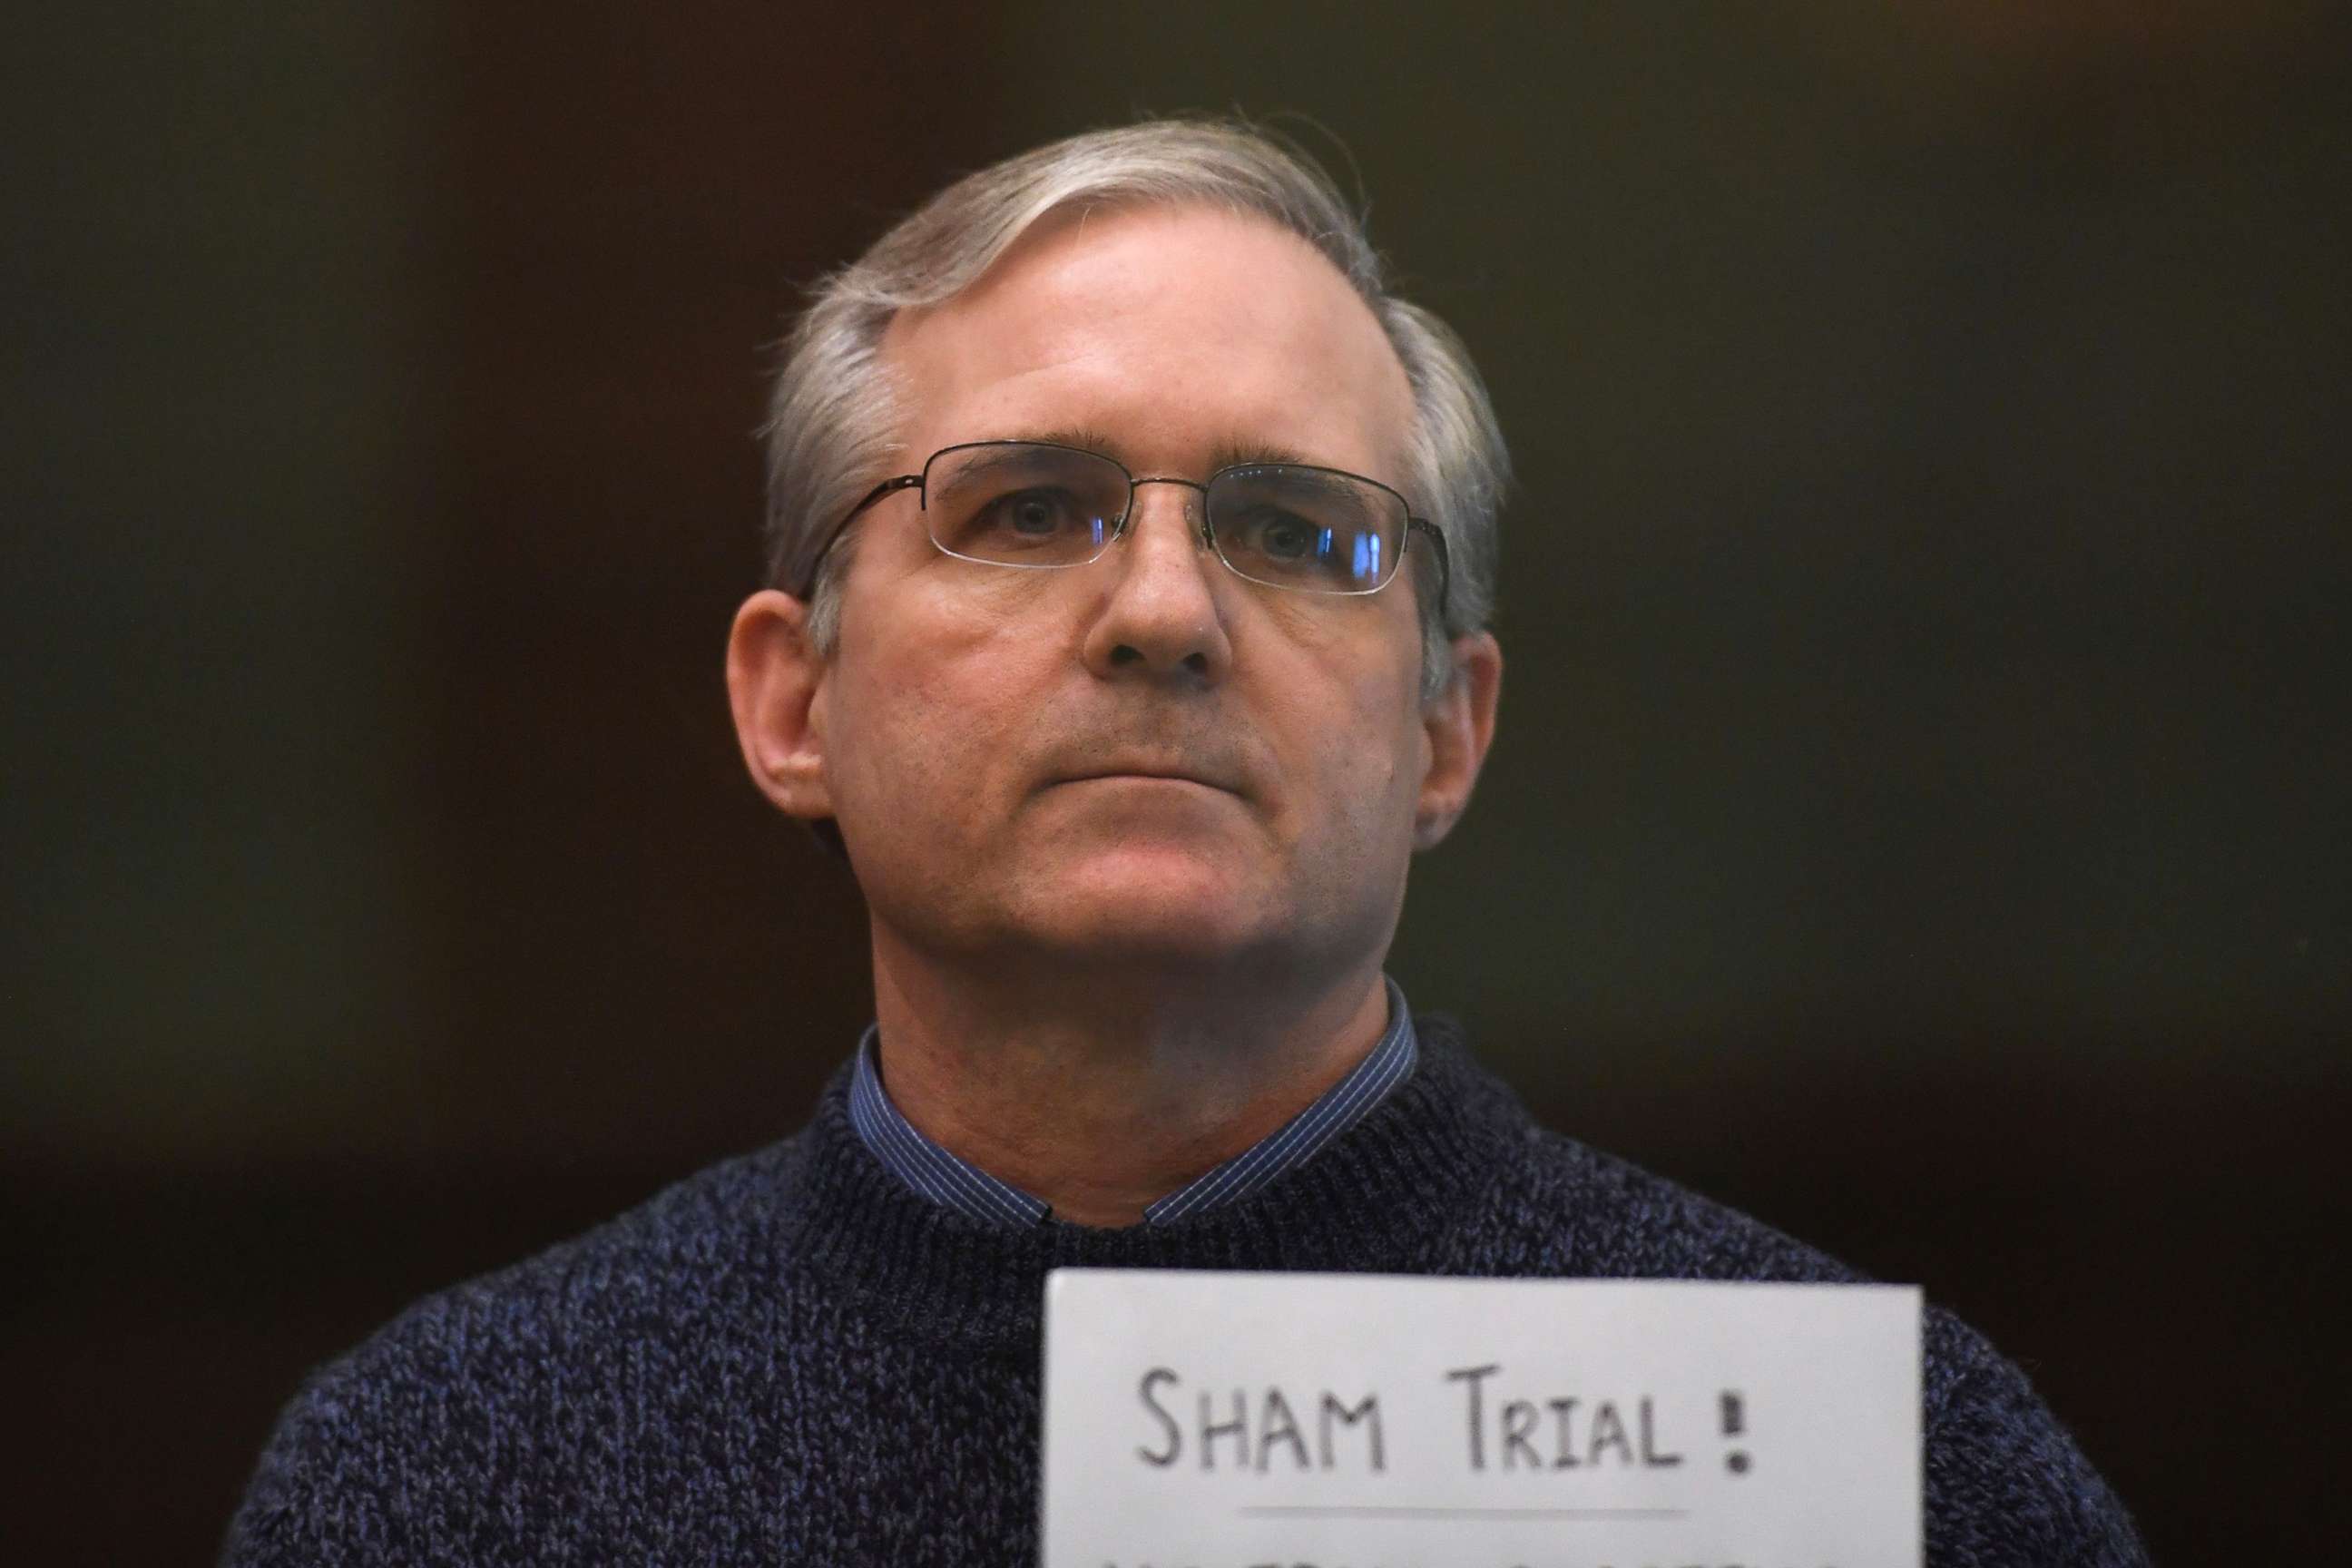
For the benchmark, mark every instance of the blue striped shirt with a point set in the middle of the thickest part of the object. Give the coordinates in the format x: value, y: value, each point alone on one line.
x: 957, y: 1183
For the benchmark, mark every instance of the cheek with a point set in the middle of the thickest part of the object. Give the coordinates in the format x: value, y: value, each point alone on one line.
x: 1365, y: 711
x: 1361, y: 767
x: 927, y: 711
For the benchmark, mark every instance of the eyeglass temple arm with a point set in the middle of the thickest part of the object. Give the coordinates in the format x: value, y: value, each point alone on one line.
x: 888, y: 486
x: 1445, y: 559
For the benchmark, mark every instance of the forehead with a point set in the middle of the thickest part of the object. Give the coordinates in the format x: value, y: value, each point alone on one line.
x: 1177, y: 332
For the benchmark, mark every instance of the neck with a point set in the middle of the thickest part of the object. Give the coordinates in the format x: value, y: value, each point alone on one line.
x: 1100, y: 1090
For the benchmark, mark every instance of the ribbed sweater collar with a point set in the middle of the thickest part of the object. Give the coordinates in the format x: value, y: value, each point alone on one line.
x: 1383, y: 1197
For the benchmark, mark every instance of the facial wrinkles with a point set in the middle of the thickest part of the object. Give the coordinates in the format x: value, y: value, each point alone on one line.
x: 1026, y: 627
x: 1242, y: 724
x: 982, y: 694
x: 1144, y: 721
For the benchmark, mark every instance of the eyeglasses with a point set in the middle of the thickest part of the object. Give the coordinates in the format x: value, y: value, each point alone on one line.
x: 1039, y: 505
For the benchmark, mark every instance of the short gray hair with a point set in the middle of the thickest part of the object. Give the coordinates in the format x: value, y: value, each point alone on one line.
x: 829, y: 433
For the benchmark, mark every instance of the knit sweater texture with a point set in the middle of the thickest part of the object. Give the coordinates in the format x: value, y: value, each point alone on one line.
x: 793, y: 1358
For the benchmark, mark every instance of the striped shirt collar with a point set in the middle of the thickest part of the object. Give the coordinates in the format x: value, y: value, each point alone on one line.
x: 956, y: 1184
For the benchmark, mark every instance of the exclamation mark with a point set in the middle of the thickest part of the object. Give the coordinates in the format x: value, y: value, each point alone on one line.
x: 1735, y: 1422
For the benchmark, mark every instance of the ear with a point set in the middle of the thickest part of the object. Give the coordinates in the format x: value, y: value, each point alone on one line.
x: 775, y: 683
x: 1458, y: 727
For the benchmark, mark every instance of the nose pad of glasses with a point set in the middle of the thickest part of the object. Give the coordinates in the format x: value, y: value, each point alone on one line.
x: 1192, y: 505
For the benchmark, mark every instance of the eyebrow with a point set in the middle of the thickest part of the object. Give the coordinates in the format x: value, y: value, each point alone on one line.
x: 1084, y: 437
x: 1233, y: 452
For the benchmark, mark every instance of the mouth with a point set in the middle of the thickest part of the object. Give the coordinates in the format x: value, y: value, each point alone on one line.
x: 1146, y: 772
x: 1142, y: 775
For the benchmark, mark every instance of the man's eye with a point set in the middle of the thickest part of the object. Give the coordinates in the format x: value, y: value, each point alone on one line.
x: 1027, y: 514
x: 1284, y: 539
x: 1288, y: 537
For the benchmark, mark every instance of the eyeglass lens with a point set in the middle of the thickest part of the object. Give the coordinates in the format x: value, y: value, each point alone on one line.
x: 1015, y: 503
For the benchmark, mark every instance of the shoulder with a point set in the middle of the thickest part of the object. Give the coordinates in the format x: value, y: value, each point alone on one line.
x: 2004, y: 1481
x: 1552, y: 1206
x: 1563, y: 1207
x: 472, y: 1391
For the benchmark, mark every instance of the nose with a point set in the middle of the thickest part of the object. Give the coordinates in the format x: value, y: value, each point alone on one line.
x: 1162, y: 611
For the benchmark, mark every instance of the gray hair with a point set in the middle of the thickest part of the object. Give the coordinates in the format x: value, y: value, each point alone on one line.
x: 831, y: 418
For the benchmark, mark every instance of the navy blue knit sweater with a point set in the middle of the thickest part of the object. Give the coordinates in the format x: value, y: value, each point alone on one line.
x: 791, y: 1358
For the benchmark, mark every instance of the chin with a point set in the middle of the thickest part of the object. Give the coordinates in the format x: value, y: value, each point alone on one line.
x: 1142, y: 901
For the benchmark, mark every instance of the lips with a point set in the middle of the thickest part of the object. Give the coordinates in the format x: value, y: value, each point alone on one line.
x: 1172, y: 775
x: 1209, y: 774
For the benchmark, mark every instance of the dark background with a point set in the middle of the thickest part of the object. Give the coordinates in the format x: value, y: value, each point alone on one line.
x: 1918, y: 816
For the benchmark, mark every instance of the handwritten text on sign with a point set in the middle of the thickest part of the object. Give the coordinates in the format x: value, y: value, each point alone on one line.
x: 1205, y: 1420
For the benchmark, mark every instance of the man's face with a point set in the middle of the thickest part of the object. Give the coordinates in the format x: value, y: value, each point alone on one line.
x: 1146, y: 757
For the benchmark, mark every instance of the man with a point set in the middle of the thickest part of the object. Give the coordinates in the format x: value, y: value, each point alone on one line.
x: 1132, y: 550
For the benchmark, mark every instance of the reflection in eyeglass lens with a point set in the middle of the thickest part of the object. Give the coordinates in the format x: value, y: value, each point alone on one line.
x: 1024, y: 506
x: 1021, y: 504
x: 1306, y: 528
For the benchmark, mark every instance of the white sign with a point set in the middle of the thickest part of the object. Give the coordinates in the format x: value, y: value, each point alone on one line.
x: 1210, y: 1420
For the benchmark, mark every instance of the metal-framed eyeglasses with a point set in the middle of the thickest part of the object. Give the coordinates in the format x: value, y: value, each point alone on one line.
x: 1040, y: 505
